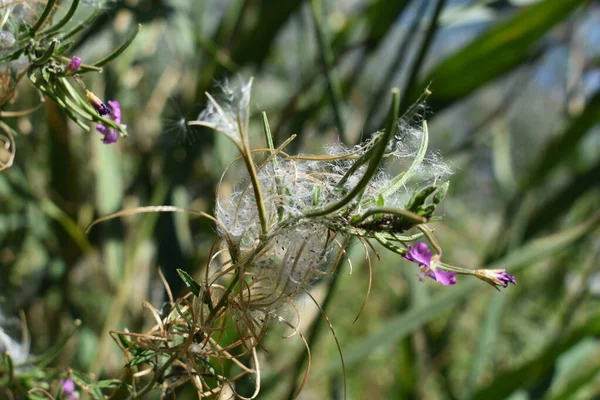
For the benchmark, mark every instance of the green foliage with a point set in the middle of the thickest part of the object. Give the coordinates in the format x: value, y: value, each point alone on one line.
x: 524, y: 200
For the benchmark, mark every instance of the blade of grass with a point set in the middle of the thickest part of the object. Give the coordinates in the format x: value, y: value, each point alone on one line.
x: 517, y: 378
x: 564, y: 144
x: 396, y: 65
x: 415, y: 68
x: 120, y: 49
x: 144, y: 231
x: 555, y: 154
x: 485, y: 344
x: 326, y: 56
x: 492, y: 54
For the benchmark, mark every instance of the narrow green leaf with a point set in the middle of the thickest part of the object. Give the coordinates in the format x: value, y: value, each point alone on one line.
x: 13, y: 56
x: 267, y: 129
x: 564, y: 144
x: 529, y: 372
x: 497, y: 51
x: 121, y: 48
x: 56, y: 27
x: 257, y: 40
x: 440, y: 193
x: 326, y: 55
x: 63, y: 47
x: 189, y: 282
x: 44, y: 58
x: 142, y: 357
x: 8, y: 370
x: 82, y: 25
x: 109, y: 383
x: 46, y: 358
x: 85, y: 382
x: 485, y: 344
x: 43, y: 16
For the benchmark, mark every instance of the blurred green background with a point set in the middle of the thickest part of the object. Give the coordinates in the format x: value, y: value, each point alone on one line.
x: 514, y: 110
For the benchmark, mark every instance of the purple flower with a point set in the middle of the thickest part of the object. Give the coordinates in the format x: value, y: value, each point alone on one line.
x: 110, y: 134
x: 98, y: 105
x: 73, y: 65
x: 496, y: 277
x: 68, y: 388
x: 116, y: 111
x: 421, y: 255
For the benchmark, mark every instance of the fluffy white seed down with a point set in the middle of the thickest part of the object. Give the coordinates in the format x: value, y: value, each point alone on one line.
x: 299, y: 247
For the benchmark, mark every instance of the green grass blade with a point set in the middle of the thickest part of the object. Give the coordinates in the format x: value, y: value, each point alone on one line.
x: 564, y: 144
x: 507, y: 383
x: 485, y: 346
x: 326, y: 55
x: 121, y: 48
x: 494, y: 53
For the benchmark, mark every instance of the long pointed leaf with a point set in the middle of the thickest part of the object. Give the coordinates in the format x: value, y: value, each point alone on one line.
x: 496, y: 52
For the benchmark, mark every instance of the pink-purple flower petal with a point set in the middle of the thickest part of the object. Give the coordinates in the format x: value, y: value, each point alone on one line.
x: 496, y: 277
x: 421, y: 255
x: 446, y: 278
x: 111, y: 135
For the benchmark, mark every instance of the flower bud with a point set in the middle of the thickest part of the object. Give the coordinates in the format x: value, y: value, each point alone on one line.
x: 98, y: 105
x: 495, y: 277
x: 73, y: 65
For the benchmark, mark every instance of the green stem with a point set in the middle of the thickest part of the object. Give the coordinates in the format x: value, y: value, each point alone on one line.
x: 458, y: 270
x: 429, y: 235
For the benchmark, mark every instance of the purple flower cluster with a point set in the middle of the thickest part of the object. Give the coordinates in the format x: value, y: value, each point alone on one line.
x: 430, y: 267
x: 110, y: 134
x: 421, y: 255
x: 68, y: 389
